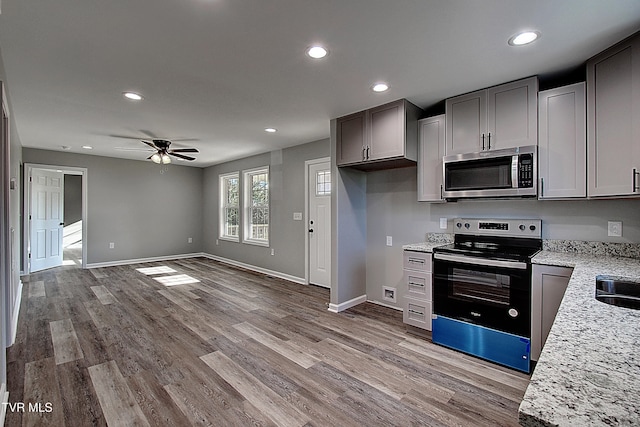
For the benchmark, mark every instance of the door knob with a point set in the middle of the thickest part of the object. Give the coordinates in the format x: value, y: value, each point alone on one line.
x: 311, y: 230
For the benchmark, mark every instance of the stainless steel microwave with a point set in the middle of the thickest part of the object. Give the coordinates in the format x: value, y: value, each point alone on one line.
x: 511, y: 172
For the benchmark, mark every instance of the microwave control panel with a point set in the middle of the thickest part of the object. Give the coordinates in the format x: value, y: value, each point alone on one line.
x: 525, y: 170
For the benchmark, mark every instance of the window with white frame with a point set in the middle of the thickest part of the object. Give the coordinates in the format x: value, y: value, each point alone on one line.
x: 230, y: 206
x: 256, y: 206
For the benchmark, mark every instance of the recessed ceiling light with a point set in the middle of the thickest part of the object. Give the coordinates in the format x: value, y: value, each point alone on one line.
x: 270, y: 130
x: 317, y: 52
x: 523, y: 38
x: 87, y: 147
x: 380, y: 87
x: 132, y: 96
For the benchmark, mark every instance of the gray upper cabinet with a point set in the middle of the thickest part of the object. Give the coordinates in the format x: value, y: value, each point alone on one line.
x: 381, y: 137
x: 562, y: 143
x: 499, y: 117
x: 430, y: 152
x: 613, y: 120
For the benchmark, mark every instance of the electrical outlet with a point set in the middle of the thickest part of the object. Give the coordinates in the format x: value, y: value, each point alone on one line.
x: 190, y: 240
x: 443, y: 223
x: 217, y: 242
x: 389, y: 241
x: 273, y: 251
x: 297, y: 216
x: 614, y: 228
x: 112, y: 245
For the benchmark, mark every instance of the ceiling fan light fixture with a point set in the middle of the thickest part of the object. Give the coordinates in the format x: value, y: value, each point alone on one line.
x: 165, y: 159
x: 156, y: 158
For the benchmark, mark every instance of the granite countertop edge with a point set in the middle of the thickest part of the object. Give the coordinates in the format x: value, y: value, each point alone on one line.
x: 589, y: 369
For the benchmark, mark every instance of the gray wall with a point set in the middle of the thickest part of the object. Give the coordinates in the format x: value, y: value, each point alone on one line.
x: 72, y: 199
x: 287, y: 237
x: 130, y: 203
x: 7, y: 312
x: 392, y: 210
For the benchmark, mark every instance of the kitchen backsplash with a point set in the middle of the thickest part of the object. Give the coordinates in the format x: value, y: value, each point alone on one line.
x: 627, y: 250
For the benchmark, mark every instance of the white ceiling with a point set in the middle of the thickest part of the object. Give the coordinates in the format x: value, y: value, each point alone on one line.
x: 217, y: 72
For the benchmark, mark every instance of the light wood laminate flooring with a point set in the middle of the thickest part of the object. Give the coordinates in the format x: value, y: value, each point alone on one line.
x: 213, y: 345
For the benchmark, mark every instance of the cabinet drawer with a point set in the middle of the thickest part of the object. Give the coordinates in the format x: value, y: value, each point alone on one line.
x: 417, y: 313
x: 420, y: 261
x: 418, y: 284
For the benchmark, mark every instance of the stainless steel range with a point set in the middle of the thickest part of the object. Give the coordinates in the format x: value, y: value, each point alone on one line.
x: 482, y: 289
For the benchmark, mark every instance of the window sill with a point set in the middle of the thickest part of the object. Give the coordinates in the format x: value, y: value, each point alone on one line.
x: 229, y: 239
x: 257, y: 242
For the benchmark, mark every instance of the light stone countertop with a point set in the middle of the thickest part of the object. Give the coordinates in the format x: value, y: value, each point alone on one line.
x: 421, y: 247
x: 589, y: 371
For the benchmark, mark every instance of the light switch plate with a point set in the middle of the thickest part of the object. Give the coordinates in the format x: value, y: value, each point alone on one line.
x: 443, y: 223
x: 389, y: 241
x: 297, y: 216
x: 614, y: 228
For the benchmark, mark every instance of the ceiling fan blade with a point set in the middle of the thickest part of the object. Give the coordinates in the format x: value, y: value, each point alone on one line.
x: 150, y: 144
x: 149, y: 133
x: 123, y: 136
x: 185, y: 150
x: 131, y: 149
x: 181, y: 156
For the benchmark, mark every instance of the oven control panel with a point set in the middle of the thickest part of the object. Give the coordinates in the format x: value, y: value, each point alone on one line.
x: 531, y: 228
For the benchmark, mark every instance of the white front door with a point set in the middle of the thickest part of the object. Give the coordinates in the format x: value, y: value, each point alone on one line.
x: 319, y: 223
x: 47, y: 219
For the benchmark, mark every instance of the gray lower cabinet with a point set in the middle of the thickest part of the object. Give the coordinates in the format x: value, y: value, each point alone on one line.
x: 417, y: 293
x: 613, y: 133
x: 548, y: 285
x: 562, y: 143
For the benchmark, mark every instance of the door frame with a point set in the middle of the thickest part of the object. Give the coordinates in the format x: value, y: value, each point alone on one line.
x: 308, y: 163
x: 67, y: 170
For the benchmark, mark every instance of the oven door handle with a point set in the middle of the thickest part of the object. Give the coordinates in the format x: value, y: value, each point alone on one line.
x: 481, y: 261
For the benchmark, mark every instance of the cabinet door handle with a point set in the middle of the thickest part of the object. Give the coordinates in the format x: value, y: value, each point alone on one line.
x: 364, y: 151
x: 416, y: 284
x: 635, y: 180
x: 419, y: 313
x: 416, y: 261
x: 489, y: 141
x: 541, y: 188
x: 483, y: 142
x: 367, y: 153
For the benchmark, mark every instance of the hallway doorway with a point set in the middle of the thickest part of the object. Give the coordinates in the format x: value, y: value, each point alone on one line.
x: 64, y: 241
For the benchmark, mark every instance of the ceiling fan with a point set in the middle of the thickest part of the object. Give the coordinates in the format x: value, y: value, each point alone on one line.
x: 162, y: 151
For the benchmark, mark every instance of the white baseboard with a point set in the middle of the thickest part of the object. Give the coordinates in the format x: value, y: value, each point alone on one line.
x: 143, y: 260
x: 385, y: 305
x: 14, y: 321
x: 300, y: 280
x: 337, y: 308
x: 290, y: 278
x: 4, y: 399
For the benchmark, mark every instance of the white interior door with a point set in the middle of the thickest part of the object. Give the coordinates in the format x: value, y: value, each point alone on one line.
x: 319, y: 223
x: 47, y: 219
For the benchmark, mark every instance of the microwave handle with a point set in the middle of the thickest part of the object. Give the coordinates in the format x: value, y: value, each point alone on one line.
x: 514, y: 171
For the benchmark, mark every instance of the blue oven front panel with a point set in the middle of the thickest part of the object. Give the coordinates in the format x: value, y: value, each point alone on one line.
x: 500, y: 347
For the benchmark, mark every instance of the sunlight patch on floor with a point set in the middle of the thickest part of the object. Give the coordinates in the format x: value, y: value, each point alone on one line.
x: 179, y: 279
x: 156, y: 270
